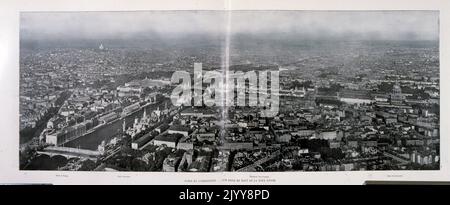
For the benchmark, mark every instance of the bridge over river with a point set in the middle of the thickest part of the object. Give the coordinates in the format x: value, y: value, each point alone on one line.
x: 70, y: 152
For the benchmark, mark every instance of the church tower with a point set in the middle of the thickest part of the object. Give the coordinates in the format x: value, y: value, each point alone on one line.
x: 396, y: 95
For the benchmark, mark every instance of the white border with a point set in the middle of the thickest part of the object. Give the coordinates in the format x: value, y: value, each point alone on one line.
x: 9, y: 92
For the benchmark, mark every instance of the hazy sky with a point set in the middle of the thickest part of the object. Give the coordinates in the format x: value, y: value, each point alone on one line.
x: 389, y: 25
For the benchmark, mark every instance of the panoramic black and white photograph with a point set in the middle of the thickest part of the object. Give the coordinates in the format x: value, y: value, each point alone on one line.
x: 229, y: 90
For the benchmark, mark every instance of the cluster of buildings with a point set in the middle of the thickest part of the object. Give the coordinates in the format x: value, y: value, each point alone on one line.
x: 333, y: 116
x: 350, y: 130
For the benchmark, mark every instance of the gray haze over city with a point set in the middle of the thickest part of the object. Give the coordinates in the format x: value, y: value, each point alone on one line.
x: 359, y: 25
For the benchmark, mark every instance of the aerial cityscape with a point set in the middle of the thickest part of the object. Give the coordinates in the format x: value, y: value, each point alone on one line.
x: 356, y: 91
